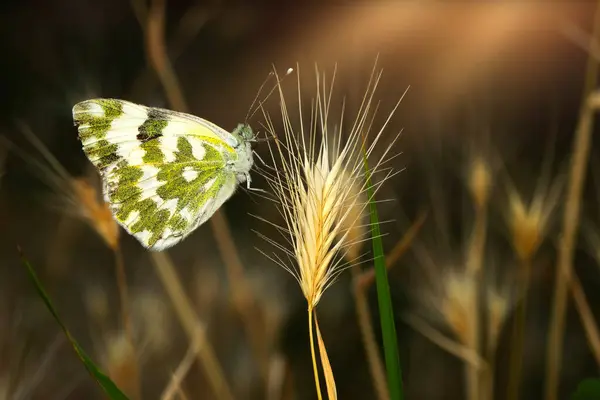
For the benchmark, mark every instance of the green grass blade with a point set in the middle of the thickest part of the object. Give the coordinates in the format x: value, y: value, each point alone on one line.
x: 386, y: 313
x: 588, y: 389
x: 105, y: 383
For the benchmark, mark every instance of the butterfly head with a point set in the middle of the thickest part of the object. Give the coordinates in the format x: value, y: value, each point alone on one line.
x: 244, y: 132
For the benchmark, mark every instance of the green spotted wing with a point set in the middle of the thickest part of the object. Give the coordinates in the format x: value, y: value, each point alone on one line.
x: 164, y: 172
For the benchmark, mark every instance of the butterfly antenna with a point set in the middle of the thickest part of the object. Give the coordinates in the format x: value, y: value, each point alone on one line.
x: 258, y: 94
x: 289, y: 71
x: 265, y: 139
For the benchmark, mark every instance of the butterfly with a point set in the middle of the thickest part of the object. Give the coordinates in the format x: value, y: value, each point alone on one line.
x: 164, y: 173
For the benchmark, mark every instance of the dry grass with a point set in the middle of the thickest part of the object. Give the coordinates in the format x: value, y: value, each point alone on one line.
x: 317, y: 177
x: 479, y: 182
x: 564, y: 270
x: 498, y: 306
x: 528, y: 225
x: 174, y: 386
x: 84, y: 202
x: 120, y: 361
x: 25, y: 374
x: 194, y: 328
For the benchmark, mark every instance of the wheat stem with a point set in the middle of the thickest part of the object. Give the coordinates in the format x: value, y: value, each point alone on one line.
x: 363, y: 316
x: 587, y: 317
x: 564, y: 268
x: 487, y: 381
x: 474, y: 270
x: 312, y: 353
x: 518, y: 334
x: 180, y: 373
x: 457, y: 349
x: 121, y: 278
x: 192, y: 326
x: 243, y: 300
x: 480, y: 181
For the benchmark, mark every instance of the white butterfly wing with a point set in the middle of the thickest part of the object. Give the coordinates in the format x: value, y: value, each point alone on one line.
x: 164, y: 172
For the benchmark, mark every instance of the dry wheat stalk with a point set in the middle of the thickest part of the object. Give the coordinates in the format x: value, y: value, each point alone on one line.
x: 314, y: 175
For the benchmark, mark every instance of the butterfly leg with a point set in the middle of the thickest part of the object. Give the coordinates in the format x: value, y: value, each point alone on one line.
x: 259, y: 158
x: 249, y: 186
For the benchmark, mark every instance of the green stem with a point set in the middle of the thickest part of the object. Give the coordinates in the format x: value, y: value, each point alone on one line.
x: 386, y: 313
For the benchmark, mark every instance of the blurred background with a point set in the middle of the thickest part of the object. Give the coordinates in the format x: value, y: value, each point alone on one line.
x: 488, y: 125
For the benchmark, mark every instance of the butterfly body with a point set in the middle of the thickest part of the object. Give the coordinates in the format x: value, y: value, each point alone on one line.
x: 164, y: 173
